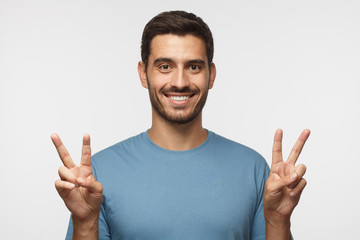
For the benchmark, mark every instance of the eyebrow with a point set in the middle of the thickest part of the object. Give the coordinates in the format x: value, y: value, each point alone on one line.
x: 159, y: 60
x: 194, y: 61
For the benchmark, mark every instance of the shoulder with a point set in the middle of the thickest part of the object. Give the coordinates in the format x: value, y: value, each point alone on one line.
x: 244, y: 158
x: 242, y: 161
x: 234, y: 147
x: 119, y: 149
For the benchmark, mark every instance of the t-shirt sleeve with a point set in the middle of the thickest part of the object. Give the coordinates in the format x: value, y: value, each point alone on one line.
x: 69, y: 231
x: 258, y: 228
x: 104, y: 231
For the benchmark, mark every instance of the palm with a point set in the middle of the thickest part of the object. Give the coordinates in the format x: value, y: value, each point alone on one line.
x: 285, y: 183
x: 81, y: 193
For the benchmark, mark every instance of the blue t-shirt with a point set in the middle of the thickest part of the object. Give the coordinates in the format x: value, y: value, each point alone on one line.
x: 211, y: 192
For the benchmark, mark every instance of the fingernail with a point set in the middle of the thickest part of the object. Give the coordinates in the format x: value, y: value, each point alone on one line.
x: 292, y: 194
x: 293, y: 176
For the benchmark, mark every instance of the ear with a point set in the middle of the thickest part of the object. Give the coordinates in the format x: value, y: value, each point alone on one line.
x: 142, y: 74
x: 212, y: 75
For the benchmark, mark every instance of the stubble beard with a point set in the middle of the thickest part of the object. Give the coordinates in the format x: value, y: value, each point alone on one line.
x: 176, y: 118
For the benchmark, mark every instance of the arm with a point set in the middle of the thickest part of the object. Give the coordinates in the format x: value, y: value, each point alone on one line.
x: 81, y: 193
x: 283, y: 188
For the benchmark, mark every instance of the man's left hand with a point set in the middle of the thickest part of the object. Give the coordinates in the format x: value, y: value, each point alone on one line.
x: 285, y: 183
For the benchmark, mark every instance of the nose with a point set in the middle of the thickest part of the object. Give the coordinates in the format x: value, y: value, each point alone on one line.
x: 180, y: 79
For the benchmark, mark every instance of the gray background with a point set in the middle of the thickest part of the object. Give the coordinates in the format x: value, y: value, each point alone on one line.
x: 70, y: 67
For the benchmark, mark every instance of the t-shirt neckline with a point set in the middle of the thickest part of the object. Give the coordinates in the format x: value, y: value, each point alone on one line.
x: 190, y: 151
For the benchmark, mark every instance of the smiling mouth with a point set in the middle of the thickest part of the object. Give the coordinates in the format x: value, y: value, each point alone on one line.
x: 179, y: 98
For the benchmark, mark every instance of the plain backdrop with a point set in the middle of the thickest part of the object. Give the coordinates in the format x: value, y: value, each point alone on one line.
x: 71, y: 67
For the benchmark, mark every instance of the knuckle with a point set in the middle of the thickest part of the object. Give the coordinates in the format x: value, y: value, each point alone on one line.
x: 304, y: 169
x: 58, y: 184
x: 269, y: 187
x: 296, y: 151
x: 302, y: 166
x: 66, y: 155
x: 304, y: 181
x: 278, y: 150
x: 61, y: 170
x: 86, y: 153
x: 301, y: 169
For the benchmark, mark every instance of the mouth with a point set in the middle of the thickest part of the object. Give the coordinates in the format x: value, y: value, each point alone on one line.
x: 179, y: 98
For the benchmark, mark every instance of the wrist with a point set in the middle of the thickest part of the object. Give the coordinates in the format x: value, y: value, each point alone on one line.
x: 86, y: 228
x: 278, y: 223
x: 275, y: 217
x: 277, y: 227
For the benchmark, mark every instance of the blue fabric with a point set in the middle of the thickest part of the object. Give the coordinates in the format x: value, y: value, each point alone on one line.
x: 210, y: 192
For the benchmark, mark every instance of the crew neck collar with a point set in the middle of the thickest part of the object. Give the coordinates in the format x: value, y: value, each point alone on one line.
x: 164, y: 150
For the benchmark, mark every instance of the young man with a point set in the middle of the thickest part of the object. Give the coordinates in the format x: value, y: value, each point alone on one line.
x: 179, y: 180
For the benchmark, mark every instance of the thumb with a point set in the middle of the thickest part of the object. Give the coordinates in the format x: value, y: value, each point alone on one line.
x: 91, y: 184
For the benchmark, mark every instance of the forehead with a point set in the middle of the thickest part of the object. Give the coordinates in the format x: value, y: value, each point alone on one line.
x: 177, y: 47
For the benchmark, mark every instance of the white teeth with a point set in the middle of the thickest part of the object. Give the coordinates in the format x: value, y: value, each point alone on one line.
x: 179, y: 98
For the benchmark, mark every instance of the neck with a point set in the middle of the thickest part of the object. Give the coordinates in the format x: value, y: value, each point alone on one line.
x: 177, y: 137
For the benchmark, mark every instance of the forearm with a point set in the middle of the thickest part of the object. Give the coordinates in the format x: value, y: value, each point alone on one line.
x: 86, y: 229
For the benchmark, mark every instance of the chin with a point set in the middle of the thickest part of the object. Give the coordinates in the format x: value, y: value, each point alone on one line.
x: 178, y: 118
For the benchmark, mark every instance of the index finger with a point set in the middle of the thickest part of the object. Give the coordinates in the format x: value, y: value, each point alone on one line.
x: 63, y: 153
x: 295, y: 152
x: 277, y: 147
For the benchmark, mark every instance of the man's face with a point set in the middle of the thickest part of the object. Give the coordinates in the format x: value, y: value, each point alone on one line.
x: 178, y: 77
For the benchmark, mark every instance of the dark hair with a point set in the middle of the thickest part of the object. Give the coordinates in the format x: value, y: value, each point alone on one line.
x: 179, y: 23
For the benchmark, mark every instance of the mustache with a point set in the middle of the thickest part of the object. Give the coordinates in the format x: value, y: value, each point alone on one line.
x: 180, y: 90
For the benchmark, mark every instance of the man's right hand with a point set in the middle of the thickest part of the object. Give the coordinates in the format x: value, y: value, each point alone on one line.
x: 77, y: 186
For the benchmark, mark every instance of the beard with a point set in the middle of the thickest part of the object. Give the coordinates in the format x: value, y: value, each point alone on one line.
x: 171, y: 115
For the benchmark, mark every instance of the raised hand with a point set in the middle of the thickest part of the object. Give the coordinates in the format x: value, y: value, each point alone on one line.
x: 77, y: 186
x: 285, y: 183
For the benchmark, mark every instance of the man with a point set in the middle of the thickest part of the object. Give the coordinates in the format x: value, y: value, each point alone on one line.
x: 179, y: 180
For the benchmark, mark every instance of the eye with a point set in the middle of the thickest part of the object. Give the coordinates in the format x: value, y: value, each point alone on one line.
x: 165, y: 67
x: 194, y: 67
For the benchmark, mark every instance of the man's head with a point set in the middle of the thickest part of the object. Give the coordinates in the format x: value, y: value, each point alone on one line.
x: 178, y: 23
x: 177, y: 68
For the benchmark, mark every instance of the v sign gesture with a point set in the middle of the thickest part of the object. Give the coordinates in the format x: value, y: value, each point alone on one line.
x: 77, y: 186
x: 283, y: 187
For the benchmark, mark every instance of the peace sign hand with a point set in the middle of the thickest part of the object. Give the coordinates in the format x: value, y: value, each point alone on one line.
x: 285, y: 183
x: 77, y: 186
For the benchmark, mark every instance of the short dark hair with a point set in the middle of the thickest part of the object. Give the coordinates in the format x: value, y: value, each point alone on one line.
x: 179, y: 23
